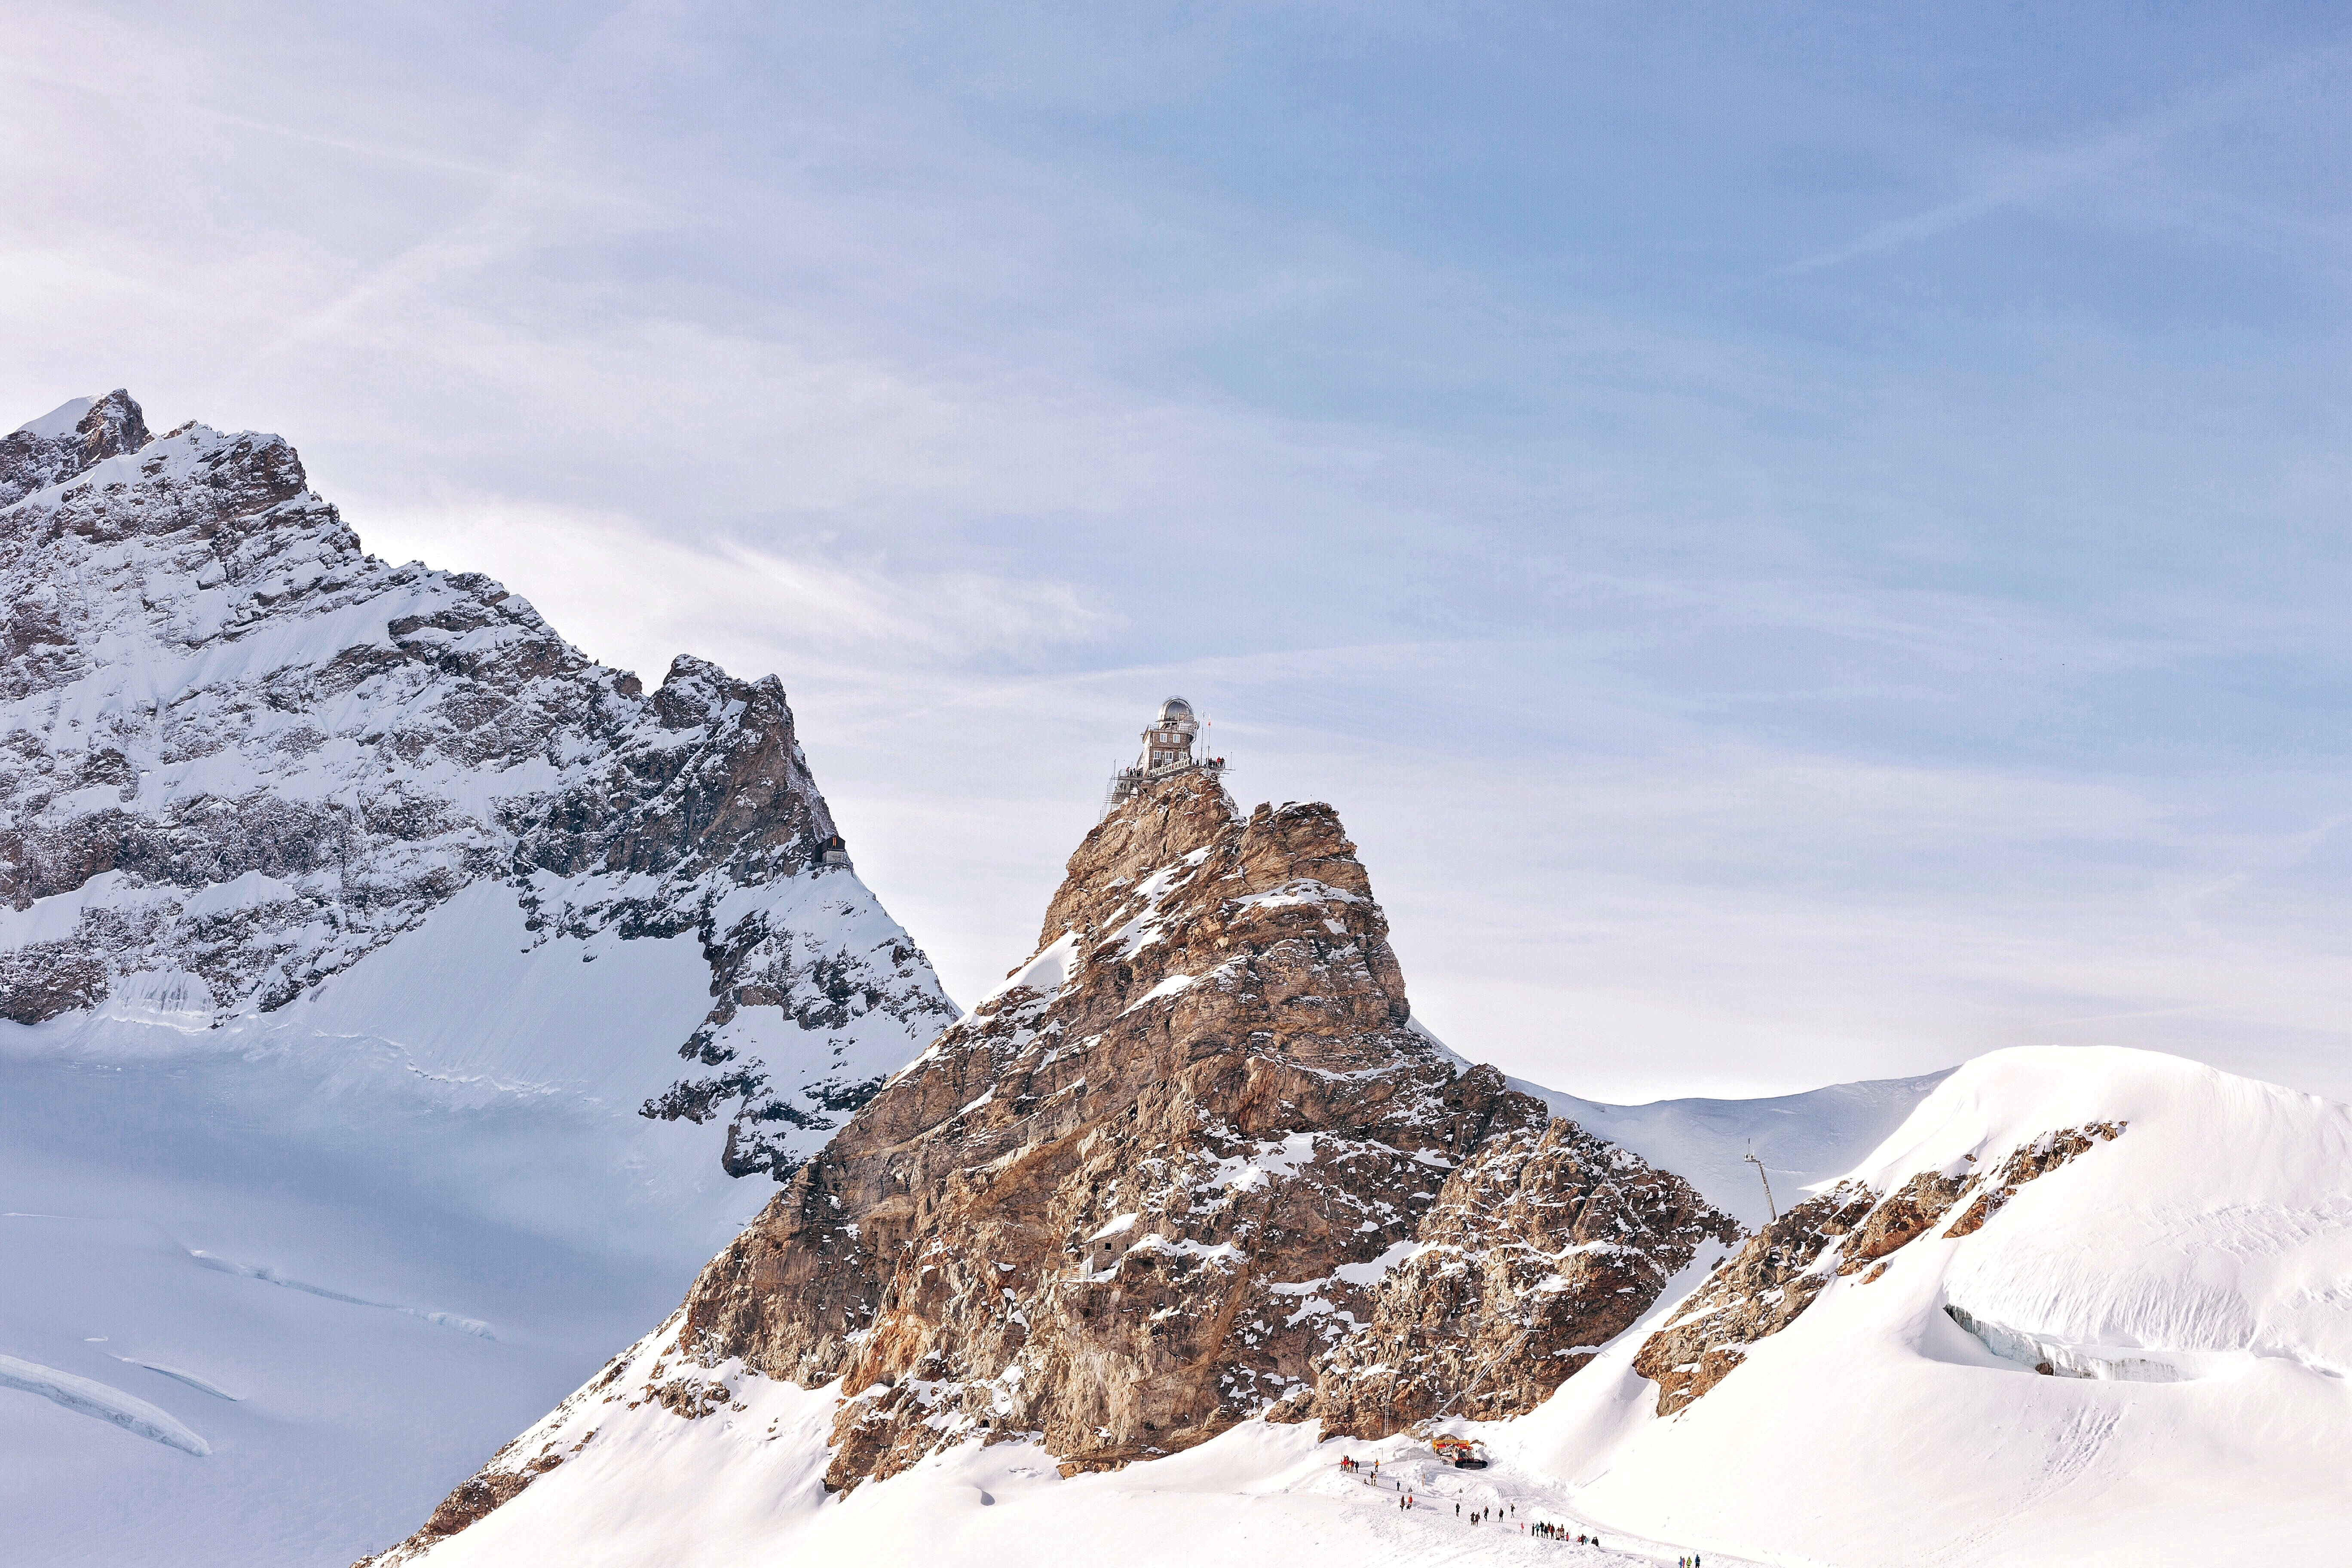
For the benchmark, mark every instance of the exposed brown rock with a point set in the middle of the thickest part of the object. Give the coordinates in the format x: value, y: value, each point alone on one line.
x: 1759, y: 1292
x: 1192, y: 1163
x: 1910, y: 1214
x: 1780, y: 1273
x: 1096, y: 1207
x: 1135, y: 1199
x: 472, y: 1501
x: 1547, y: 1244
x: 2038, y: 1157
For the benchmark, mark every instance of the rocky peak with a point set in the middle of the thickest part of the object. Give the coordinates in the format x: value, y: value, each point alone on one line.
x: 66, y: 440
x: 236, y: 749
x: 1192, y: 1162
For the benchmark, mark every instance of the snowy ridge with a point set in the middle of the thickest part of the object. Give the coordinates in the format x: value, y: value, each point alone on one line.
x: 1805, y: 1140
x: 2209, y: 1241
x: 238, y: 755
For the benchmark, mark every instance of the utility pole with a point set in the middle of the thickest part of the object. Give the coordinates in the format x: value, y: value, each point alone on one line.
x: 1765, y: 1179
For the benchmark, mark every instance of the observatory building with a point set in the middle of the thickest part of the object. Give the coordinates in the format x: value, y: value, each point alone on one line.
x: 1167, y: 749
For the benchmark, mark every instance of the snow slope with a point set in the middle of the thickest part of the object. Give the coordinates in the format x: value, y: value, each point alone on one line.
x: 350, y: 1245
x: 743, y: 1485
x: 2209, y: 1244
x: 349, y: 920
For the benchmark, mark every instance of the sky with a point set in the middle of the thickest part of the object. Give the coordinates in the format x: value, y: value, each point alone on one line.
x: 1805, y: 543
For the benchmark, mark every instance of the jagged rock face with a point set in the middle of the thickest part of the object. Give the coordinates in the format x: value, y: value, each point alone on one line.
x: 70, y: 438
x: 238, y: 750
x: 1192, y: 1162
x: 1547, y: 1244
x: 1847, y: 1230
x: 1139, y: 1194
x: 1104, y: 1205
x: 1909, y: 1215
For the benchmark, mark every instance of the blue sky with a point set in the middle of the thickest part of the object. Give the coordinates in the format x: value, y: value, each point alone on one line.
x: 1805, y: 543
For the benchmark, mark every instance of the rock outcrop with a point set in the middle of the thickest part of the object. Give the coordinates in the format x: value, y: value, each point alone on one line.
x: 1132, y: 1198
x: 1903, y: 1218
x: 1545, y: 1245
x: 1759, y: 1292
x: 1192, y: 1162
x: 2038, y: 1157
x: 69, y: 439
x: 1848, y: 1230
x: 238, y: 754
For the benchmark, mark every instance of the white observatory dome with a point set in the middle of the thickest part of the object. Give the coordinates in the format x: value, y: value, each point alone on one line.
x: 1175, y: 708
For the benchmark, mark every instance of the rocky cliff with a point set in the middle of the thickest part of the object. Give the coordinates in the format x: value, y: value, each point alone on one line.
x: 238, y: 754
x: 1191, y: 1163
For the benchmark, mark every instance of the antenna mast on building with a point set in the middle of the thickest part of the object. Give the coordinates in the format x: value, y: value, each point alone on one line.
x: 1765, y: 1179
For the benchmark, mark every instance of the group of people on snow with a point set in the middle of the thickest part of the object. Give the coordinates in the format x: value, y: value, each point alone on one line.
x: 1407, y: 1501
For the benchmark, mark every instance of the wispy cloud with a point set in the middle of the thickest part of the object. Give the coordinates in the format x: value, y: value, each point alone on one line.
x: 2028, y: 177
x: 1721, y: 699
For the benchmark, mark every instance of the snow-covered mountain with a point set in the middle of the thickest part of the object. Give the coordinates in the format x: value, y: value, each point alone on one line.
x: 352, y: 928
x: 2086, y: 1305
x: 355, y: 929
x: 241, y: 756
x: 2083, y: 1306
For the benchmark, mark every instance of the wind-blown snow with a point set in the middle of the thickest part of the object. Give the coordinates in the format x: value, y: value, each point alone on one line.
x: 1046, y: 973
x: 262, y: 1271
x: 177, y: 1375
x: 341, y: 1199
x: 87, y: 1396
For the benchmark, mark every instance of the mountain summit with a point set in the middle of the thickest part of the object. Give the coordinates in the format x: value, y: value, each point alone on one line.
x: 66, y: 440
x: 1192, y: 1162
x: 239, y: 756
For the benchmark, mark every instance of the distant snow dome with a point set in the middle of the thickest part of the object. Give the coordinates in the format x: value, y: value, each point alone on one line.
x: 1175, y: 708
